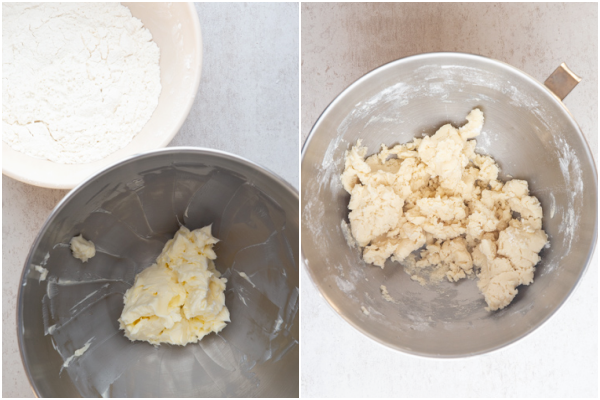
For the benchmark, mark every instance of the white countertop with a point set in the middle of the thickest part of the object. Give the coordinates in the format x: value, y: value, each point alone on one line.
x: 342, y: 42
x: 247, y: 104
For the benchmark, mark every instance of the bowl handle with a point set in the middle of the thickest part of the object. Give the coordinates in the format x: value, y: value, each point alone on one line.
x: 562, y: 81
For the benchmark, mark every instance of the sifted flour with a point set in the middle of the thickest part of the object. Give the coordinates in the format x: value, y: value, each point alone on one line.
x: 79, y: 81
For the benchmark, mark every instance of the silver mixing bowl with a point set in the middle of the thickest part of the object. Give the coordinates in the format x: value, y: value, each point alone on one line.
x: 129, y: 211
x: 532, y: 136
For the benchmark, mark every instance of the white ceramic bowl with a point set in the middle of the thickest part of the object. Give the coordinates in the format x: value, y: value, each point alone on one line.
x: 175, y: 29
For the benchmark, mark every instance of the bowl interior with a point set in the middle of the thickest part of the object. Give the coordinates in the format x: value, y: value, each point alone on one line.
x: 176, y: 31
x: 529, y: 133
x: 129, y: 211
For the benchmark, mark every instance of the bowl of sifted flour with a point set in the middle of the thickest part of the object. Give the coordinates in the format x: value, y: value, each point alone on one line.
x: 88, y: 84
x: 114, y: 300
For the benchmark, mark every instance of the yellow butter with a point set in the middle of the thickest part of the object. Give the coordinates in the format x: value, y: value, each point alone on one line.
x: 179, y: 299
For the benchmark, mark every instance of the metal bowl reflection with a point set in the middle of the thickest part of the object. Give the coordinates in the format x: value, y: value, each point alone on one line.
x: 129, y: 211
x: 527, y: 130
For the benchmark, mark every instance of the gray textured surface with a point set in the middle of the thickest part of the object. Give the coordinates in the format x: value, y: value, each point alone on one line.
x: 248, y: 99
x: 247, y: 104
x: 342, y: 42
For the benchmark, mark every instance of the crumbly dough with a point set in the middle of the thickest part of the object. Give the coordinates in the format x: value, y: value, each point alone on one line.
x: 437, y: 193
x: 181, y: 298
x: 82, y: 249
x: 386, y: 295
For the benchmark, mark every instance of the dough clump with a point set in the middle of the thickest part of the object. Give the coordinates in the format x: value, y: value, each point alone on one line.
x: 179, y: 299
x: 82, y: 249
x: 438, y: 194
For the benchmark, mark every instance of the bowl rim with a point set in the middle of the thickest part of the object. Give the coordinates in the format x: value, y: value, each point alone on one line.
x: 462, y: 56
x: 66, y: 182
x: 290, y: 189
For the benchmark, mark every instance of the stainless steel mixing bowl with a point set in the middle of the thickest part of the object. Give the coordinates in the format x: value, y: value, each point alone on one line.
x: 129, y: 211
x: 532, y: 136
